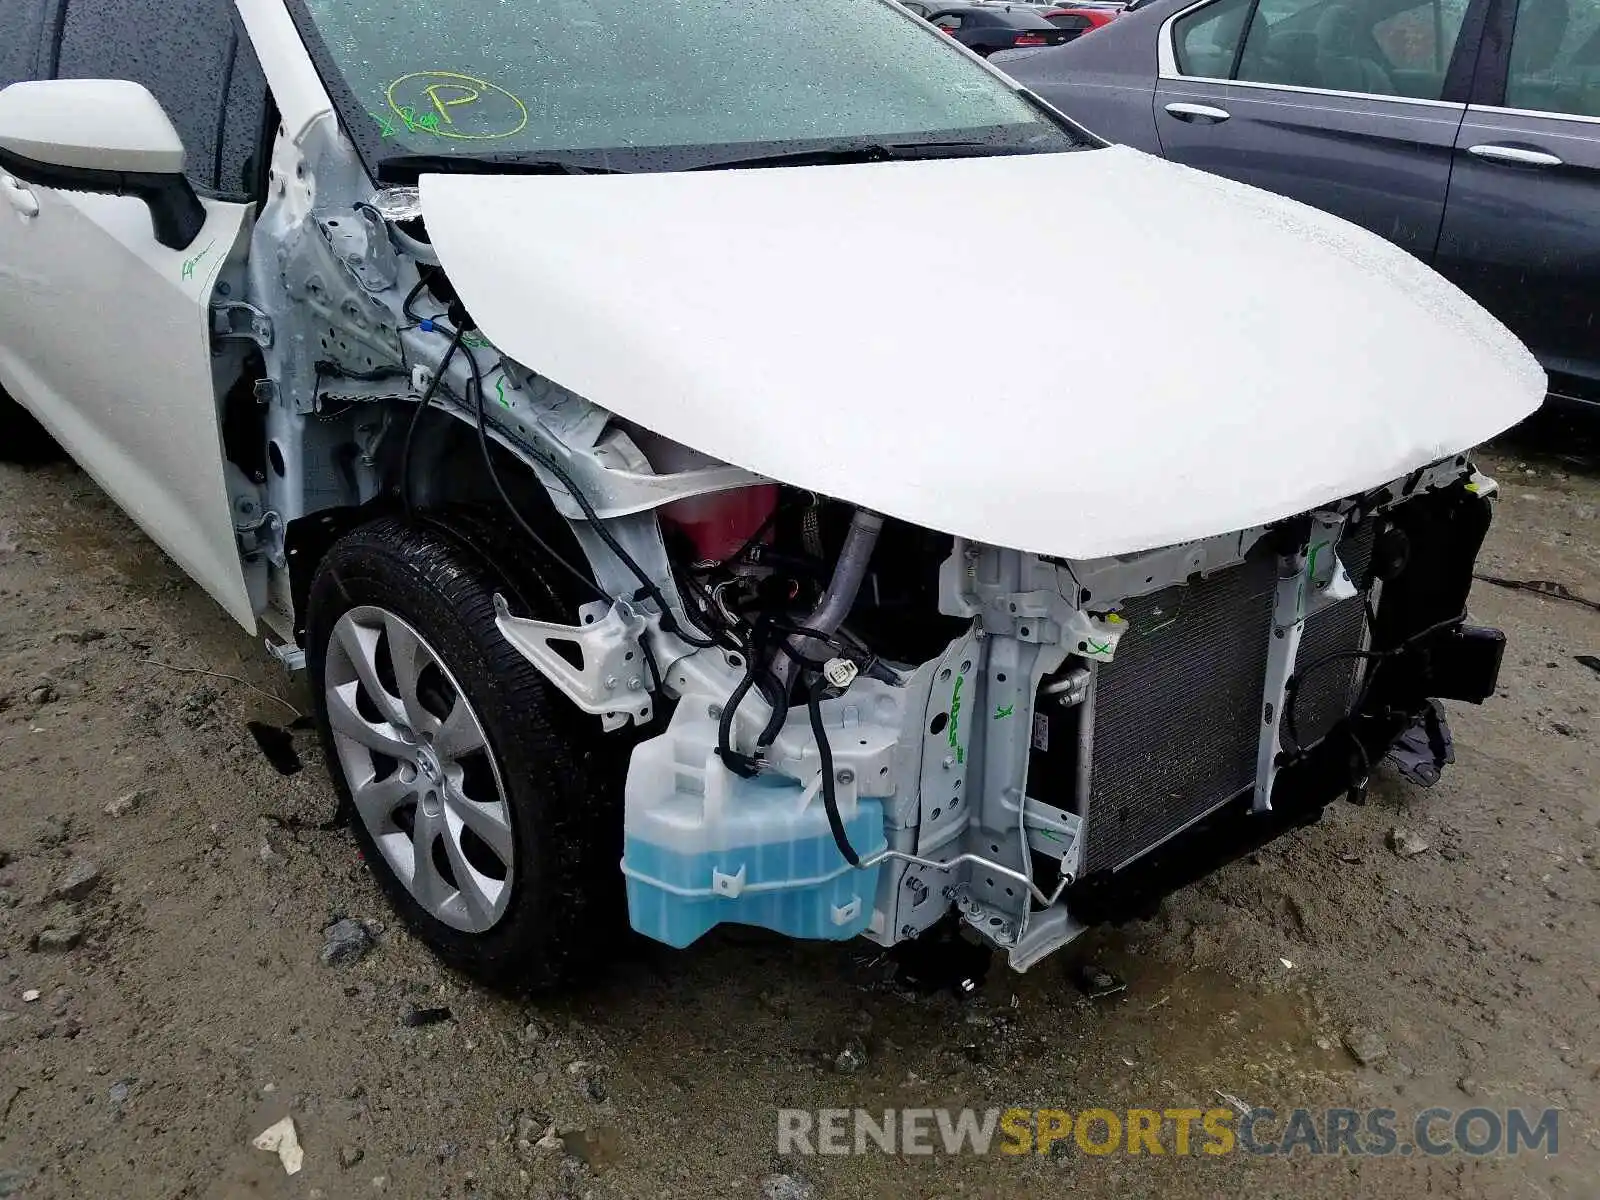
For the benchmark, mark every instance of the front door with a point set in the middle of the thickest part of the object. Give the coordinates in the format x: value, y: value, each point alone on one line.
x: 105, y: 334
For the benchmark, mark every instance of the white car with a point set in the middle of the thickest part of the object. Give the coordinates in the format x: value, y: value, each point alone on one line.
x: 546, y: 378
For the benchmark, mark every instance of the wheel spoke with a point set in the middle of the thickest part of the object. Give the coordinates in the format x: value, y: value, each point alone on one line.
x: 468, y: 882
x: 429, y: 887
x: 489, y: 821
x: 376, y: 799
x: 360, y: 644
x: 459, y: 734
x: 344, y: 718
x: 409, y: 658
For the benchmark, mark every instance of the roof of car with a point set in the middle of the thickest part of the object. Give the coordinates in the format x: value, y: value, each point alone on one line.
x: 1021, y: 15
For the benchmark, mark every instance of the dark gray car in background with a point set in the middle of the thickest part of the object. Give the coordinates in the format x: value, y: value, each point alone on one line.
x: 1466, y: 131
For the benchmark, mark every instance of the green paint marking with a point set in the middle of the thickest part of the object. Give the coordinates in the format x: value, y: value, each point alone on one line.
x: 1099, y: 647
x: 1045, y: 833
x: 474, y: 341
x: 500, y: 391
x: 189, y: 264
x: 385, y: 126
x: 1311, y: 562
x: 424, y: 123
x: 955, y: 719
x: 1001, y: 713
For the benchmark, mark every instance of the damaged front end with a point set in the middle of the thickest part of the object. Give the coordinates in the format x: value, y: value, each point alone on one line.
x: 874, y: 726
x: 840, y: 722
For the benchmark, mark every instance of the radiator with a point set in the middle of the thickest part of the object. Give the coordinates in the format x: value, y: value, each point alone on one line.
x: 1177, y: 714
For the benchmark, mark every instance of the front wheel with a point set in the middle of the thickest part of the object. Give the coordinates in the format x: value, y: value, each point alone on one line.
x: 480, y: 797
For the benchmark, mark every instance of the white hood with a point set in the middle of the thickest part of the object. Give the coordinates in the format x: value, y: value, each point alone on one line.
x: 1076, y: 354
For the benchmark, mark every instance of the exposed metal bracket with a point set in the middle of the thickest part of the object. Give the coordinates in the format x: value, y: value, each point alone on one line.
x: 236, y: 319
x: 996, y: 926
x: 1047, y: 932
x: 1055, y: 833
x: 1309, y: 580
x: 1040, y: 615
x: 263, y: 534
x: 292, y: 658
x: 610, y: 678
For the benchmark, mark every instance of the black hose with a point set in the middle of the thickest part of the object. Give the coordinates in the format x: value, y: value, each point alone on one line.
x: 743, y: 765
x: 752, y: 647
x: 545, y: 547
x: 669, y: 620
x: 830, y: 802
x: 416, y: 419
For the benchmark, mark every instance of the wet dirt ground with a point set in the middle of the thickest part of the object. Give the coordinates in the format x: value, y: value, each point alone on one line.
x: 164, y: 893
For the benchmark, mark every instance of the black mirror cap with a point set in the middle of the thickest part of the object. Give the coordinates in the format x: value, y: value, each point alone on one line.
x: 176, y: 214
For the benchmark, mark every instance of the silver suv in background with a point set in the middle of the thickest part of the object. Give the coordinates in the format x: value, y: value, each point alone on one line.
x: 1465, y: 131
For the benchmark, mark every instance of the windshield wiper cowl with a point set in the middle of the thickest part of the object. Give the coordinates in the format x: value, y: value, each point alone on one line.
x: 406, y: 168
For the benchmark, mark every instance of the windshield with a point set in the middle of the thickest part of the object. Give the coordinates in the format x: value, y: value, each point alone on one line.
x: 525, y: 78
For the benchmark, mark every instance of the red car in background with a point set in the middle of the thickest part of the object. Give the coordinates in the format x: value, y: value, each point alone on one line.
x: 1077, y: 20
x: 985, y: 28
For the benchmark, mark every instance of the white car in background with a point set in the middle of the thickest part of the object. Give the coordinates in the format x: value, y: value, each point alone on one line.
x: 548, y: 379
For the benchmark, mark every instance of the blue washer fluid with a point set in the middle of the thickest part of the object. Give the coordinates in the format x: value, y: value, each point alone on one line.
x: 719, y: 848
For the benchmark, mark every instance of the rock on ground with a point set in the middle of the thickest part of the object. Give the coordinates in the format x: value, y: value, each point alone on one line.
x: 348, y: 942
x: 1405, y: 843
x: 75, y: 883
x: 786, y: 1187
x: 1366, y: 1046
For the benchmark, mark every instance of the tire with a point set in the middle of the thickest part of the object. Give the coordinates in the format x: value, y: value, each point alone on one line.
x: 542, y: 766
x: 23, y: 439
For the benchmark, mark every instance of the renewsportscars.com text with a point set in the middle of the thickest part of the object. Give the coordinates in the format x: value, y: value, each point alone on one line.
x: 1377, y: 1132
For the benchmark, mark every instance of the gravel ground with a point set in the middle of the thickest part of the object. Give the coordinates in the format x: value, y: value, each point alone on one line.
x: 165, y: 893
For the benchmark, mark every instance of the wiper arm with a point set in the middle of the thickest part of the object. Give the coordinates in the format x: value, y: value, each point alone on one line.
x: 405, y: 168
x: 822, y: 156
x: 868, y: 152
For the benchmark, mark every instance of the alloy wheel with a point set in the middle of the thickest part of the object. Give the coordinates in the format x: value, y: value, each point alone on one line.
x: 419, y: 769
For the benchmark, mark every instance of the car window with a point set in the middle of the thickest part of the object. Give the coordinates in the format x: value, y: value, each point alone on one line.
x: 1070, y: 21
x: 1417, y: 43
x: 180, y: 49
x: 1375, y: 47
x: 1206, y: 41
x: 1555, y: 58
x: 948, y: 21
x: 921, y: 10
x: 244, y: 118
x: 535, y: 77
x: 21, y: 22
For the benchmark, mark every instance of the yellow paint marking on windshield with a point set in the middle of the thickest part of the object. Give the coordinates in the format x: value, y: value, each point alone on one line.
x: 467, y: 96
x: 485, y: 108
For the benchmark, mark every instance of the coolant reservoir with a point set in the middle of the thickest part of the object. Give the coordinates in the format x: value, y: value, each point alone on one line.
x: 703, y: 846
x: 719, y: 524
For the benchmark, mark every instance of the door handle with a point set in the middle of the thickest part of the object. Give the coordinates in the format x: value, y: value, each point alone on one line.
x: 1204, y: 114
x: 1515, y: 154
x: 19, y: 197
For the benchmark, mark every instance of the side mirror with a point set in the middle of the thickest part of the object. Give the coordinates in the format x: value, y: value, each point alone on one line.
x: 104, y: 136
